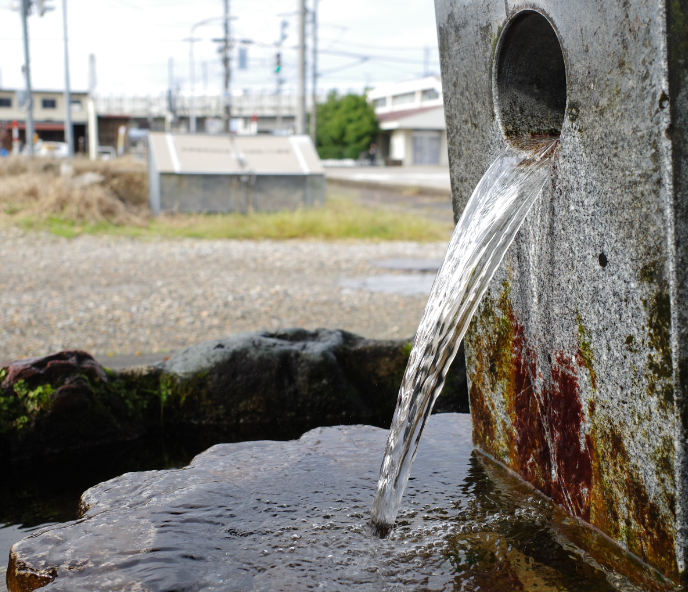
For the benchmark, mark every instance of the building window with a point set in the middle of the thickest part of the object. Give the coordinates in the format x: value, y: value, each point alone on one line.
x: 49, y: 103
x: 430, y: 94
x: 404, y: 99
x: 5, y: 102
x: 380, y: 102
x: 76, y: 105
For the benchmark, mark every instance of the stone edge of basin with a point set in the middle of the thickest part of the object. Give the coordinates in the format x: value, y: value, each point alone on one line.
x: 236, y: 384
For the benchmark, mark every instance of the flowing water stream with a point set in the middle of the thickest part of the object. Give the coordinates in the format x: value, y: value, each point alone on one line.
x: 484, y: 232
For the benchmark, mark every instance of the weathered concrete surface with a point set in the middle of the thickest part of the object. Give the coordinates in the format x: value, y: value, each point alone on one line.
x: 578, y: 356
x: 242, y: 385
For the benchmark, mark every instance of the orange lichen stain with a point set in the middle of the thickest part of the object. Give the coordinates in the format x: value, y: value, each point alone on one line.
x: 622, y: 508
x: 484, y: 429
x: 490, y: 349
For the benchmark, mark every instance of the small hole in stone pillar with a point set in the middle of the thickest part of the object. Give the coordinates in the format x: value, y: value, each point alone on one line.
x: 530, y: 80
x: 603, y: 260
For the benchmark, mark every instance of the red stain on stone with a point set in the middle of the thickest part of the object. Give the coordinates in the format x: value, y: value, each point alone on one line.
x: 553, y: 455
x: 534, y: 454
x: 571, y: 456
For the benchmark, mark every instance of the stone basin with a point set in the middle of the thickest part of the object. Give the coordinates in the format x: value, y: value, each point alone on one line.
x: 293, y: 516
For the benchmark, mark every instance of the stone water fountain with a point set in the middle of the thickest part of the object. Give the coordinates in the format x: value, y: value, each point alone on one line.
x: 576, y: 362
x: 577, y: 357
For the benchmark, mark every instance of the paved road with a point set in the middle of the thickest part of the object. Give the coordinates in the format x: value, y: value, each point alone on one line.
x: 435, y: 178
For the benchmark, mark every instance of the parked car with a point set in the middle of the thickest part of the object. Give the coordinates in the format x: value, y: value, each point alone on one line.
x: 49, y: 149
x: 107, y: 153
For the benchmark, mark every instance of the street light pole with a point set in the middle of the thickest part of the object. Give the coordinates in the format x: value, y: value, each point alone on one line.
x: 192, y: 78
x: 227, y: 111
x: 68, y: 134
x: 301, y: 107
x: 314, y: 92
x: 192, y: 64
x: 25, y: 5
x: 192, y: 84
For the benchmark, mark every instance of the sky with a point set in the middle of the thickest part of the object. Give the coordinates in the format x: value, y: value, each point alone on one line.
x: 362, y: 43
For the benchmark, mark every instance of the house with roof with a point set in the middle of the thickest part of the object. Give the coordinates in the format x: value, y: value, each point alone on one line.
x: 411, y: 115
x: 48, y: 113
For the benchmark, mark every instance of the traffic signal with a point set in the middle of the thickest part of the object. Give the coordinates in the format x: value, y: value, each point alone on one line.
x: 278, y: 63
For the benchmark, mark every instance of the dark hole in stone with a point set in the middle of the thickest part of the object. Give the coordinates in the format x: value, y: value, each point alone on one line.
x: 549, y: 359
x: 531, y: 77
x: 603, y: 260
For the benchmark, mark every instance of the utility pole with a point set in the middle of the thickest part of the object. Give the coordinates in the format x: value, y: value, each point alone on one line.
x: 301, y: 106
x: 171, y: 107
x: 68, y: 134
x: 227, y: 111
x: 92, y: 113
x: 278, y: 72
x: 314, y: 91
x: 25, y: 7
x: 192, y: 79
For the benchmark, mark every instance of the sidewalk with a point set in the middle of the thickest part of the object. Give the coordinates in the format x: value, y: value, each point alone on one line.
x: 432, y: 180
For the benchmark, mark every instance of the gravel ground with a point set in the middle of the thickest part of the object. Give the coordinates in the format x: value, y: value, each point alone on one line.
x: 113, y: 296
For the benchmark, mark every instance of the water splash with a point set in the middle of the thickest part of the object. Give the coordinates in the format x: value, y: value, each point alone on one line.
x: 487, y: 227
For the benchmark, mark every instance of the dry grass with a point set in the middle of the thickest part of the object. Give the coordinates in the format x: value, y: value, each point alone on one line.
x: 34, y: 195
x: 35, y: 190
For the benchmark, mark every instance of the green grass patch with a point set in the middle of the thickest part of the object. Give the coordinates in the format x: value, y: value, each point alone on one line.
x: 343, y: 217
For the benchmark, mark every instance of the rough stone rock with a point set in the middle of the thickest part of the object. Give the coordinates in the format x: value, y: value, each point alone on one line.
x: 58, y: 402
x: 292, y: 516
x: 238, y: 386
x: 326, y: 376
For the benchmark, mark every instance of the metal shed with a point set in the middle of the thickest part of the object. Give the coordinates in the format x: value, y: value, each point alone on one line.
x: 223, y: 173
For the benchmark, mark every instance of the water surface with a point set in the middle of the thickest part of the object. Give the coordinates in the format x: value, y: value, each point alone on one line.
x: 294, y: 516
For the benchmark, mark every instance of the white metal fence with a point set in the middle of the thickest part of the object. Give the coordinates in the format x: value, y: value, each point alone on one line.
x: 262, y: 105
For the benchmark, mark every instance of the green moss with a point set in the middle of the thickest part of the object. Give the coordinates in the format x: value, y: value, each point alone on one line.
x: 632, y: 345
x: 585, y: 351
x: 36, y: 400
x: 660, y: 369
x: 407, y: 349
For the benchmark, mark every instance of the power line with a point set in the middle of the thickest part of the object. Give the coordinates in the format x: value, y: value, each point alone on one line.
x: 387, y: 47
x: 379, y: 58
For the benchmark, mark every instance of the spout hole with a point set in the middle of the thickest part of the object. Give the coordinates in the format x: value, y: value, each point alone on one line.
x: 530, y: 80
x: 603, y: 260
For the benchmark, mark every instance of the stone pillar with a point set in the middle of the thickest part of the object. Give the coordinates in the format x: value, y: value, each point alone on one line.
x: 578, y: 356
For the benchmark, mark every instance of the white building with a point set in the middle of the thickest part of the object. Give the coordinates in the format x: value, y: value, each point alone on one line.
x: 48, y: 113
x: 411, y: 118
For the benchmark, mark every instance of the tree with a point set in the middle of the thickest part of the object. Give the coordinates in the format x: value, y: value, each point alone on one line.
x: 346, y: 126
